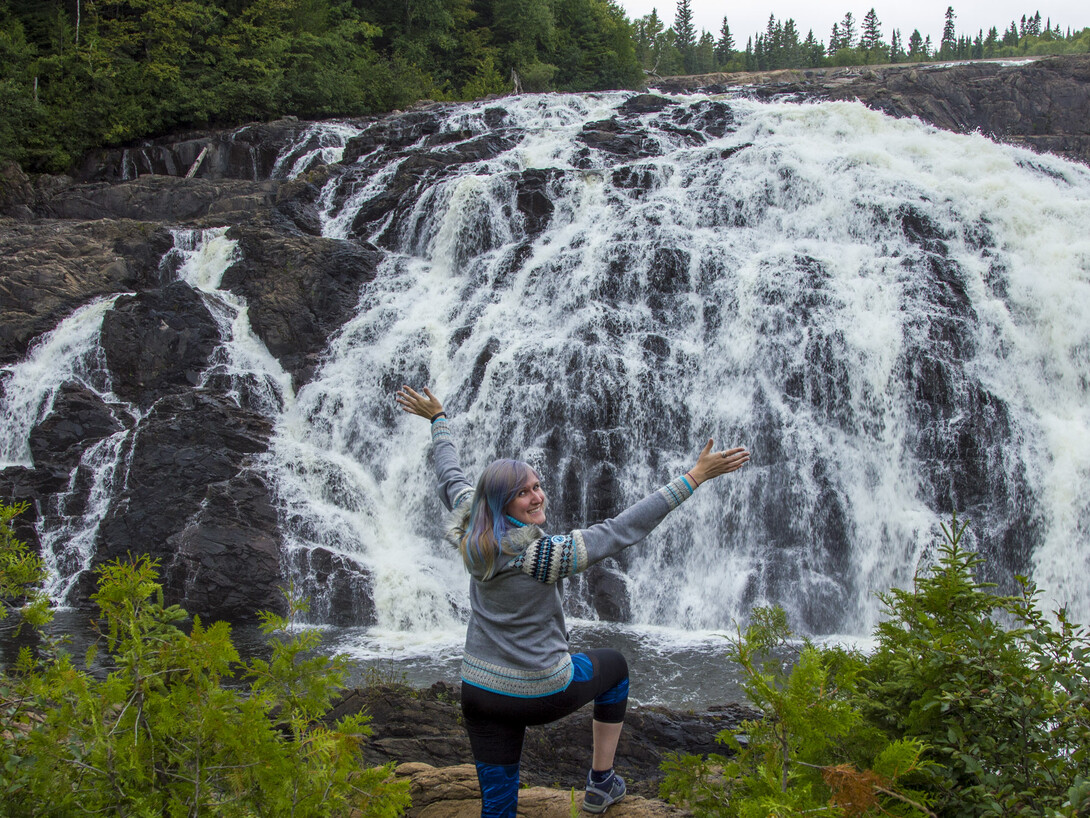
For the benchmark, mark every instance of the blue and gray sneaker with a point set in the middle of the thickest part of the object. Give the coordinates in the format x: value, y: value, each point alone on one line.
x: 602, y: 795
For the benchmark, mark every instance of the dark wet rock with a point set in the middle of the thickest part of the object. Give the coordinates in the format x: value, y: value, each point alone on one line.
x: 646, y: 104
x: 709, y: 117
x: 16, y: 192
x: 616, y: 138
x: 425, y: 726
x: 609, y: 593
x: 392, y: 133
x: 158, y: 341
x: 249, y: 153
x: 532, y: 199
x: 339, y: 590
x: 49, y: 270
x: 300, y: 290
x: 190, y: 486
x: 233, y: 534
x: 164, y: 199
x: 78, y: 420
x: 1042, y: 104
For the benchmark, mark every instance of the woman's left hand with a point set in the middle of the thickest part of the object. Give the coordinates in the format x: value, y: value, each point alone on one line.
x: 426, y: 405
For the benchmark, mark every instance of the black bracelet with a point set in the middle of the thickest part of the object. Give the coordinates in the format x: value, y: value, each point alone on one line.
x: 438, y: 415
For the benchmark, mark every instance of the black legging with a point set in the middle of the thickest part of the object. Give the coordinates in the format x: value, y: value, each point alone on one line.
x: 497, y: 723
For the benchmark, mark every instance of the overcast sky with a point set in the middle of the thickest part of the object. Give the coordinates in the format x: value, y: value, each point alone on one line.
x: 929, y: 16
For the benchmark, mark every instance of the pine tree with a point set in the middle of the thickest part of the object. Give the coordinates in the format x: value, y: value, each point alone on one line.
x: 814, y: 49
x: 724, y: 49
x: 847, y: 31
x: 948, y: 46
x: 834, y: 40
x: 896, y: 50
x: 684, y: 33
x: 915, y: 46
x: 872, y: 31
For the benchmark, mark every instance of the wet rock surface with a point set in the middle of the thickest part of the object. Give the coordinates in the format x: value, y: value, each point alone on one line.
x: 1043, y: 104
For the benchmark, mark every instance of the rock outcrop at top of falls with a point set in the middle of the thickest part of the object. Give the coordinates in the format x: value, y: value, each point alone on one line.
x: 1042, y: 104
x: 185, y: 483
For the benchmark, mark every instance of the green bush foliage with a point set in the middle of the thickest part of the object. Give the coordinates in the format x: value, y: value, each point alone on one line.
x: 169, y: 732
x: 812, y: 753
x: 997, y: 691
x: 971, y: 704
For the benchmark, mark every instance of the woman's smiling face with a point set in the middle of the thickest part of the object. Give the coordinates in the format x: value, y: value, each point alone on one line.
x: 529, y: 503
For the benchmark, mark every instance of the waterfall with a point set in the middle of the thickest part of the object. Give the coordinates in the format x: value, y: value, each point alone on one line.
x: 895, y: 320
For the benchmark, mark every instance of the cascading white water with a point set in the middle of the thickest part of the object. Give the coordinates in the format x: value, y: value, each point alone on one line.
x: 69, y: 352
x: 241, y: 365
x: 851, y: 296
x: 321, y: 142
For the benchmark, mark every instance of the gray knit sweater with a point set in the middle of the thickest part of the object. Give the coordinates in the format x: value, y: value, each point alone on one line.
x: 517, y: 641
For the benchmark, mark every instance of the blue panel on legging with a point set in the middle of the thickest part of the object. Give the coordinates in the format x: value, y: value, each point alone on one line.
x: 499, y: 789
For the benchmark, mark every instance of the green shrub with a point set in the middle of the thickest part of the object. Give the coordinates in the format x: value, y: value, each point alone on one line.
x: 972, y: 704
x: 997, y: 691
x: 811, y: 753
x: 166, y: 734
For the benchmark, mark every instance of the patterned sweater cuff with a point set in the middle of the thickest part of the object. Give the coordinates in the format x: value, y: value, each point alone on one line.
x: 676, y: 492
x: 440, y: 430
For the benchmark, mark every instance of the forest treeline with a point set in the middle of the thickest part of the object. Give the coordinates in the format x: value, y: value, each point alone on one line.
x: 679, y: 49
x: 81, y: 74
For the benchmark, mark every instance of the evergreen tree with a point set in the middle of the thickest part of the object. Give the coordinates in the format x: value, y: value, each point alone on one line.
x: 847, y: 31
x: 948, y: 46
x: 872, y: 32
x: 704, y: 54
x: 724, y: 49
x: 896, y: 49
x: 684, y: 33
x: 834, y: 40
x: 813, y: 49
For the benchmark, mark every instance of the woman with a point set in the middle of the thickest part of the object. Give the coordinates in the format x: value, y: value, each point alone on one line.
x: 516, y: 668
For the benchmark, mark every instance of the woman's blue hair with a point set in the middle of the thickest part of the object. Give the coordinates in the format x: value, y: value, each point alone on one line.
x: 498, y: 485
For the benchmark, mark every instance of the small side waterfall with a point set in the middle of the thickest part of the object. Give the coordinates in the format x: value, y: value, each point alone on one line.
x: 71, y: 357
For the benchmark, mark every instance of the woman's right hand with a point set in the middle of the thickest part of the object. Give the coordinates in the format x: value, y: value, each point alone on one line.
x: 426, y: 405
x: 711, y: 464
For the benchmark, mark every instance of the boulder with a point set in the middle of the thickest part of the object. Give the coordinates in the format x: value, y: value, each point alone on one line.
x: 158, y: 341
x: 300, y: 290
x: 50, y: 269
x: 79, y: 419
x: 190, y: 486
x: 453, y: 792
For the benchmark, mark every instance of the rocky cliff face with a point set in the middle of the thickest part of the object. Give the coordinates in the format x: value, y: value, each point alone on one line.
x: 1040, y: 104
x: 192, y: 491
